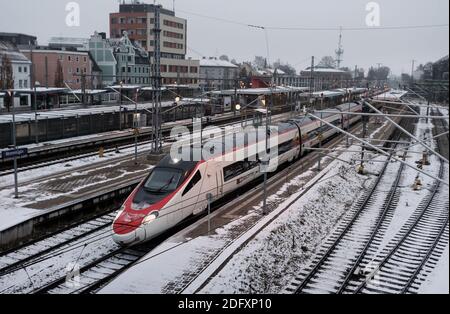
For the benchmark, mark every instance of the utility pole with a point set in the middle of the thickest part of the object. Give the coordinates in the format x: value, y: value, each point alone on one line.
x: 46, y: 72
x: 311, y: 82
x: 363, y: 148
x: 16, y: 183
x: 33, y: 85
x: 339, y: 51
x: 412, y: 71
x: 83, y: 88
x: 136, y: 128
x: 157, y: 80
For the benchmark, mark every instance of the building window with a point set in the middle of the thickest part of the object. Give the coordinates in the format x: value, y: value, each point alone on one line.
x: 171, y: 45
x: 20, y: 83
x: 173, y: 35
x: 173, y: 24
x: 113, y: 20
x: 25, y: 69
x: 77, y: 59
x: 61, y: 57
x: 78, y: 70
x: 194, y: 70
x: 25, y: 83
x: 85, y: 59
x: 69, y: 58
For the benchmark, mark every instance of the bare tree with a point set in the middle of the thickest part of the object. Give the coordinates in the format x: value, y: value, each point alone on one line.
x: 260, y: 63
x: 224, y: 58
x: 59, y: 75
x: 327, y: 62
x: 6, y: 79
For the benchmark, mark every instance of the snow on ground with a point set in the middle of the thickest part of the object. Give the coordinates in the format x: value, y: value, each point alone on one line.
x: 437, y: 282
x: 33, y: 174
x: 409, y: 199
x: 278, y: 252
x: 274, y: 257
x: 14, y: 211
x: 306, y: 223
x: 59, y: 263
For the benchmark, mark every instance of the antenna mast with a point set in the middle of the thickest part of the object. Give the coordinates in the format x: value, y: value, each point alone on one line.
x: 339, y: 51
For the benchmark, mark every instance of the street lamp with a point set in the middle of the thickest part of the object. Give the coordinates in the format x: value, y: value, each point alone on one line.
x: 36, y: 84
x: 136, y: 128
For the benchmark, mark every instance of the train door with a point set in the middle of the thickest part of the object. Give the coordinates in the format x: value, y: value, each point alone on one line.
x: 191, y: 195
x: 219, y: 182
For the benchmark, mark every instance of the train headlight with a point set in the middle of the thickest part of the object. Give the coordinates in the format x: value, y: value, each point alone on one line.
x: 150, y: 218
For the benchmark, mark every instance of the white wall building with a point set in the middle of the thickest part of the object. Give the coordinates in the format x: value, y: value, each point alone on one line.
x: 21, y: 68
x: 217, y: 74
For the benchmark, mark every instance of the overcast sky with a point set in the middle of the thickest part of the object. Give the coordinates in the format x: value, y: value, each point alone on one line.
x: 208, y: 37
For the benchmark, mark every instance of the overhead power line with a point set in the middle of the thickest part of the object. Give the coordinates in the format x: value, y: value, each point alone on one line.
x: 304, y: 28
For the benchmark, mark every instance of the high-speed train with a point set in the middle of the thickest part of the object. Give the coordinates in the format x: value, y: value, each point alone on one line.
x: 176, y: 189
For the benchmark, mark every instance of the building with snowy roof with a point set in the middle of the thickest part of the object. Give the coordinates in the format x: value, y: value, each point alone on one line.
x: 217, y: 74
x: 20, y: 67
x: 327, y: 77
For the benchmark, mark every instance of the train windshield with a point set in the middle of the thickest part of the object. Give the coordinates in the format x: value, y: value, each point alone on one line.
x: 163, y: 180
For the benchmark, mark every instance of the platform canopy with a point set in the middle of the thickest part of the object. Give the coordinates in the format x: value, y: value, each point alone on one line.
x: 41, y: 90
x: 261, y: 91
x: 89, y: 91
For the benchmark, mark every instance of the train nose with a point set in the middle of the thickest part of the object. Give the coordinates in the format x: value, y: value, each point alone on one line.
x: 133, y: 237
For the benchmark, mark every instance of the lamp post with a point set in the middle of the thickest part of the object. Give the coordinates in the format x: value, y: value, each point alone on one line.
x: 36, y: 122
x: 14, y: 142
x: 136, y: 128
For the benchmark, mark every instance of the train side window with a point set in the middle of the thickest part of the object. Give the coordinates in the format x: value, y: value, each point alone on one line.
x: 195, y: 179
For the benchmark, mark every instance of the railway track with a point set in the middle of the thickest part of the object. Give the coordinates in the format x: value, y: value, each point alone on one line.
x: 339, y: 258
x: 411, y: 249
x: 95, y: 273
x: 91, y: 277
x: 187, y: 281
x: 402, y: 265
x: 18, y: 258
x: 347, y: 264
x: 349, y: 243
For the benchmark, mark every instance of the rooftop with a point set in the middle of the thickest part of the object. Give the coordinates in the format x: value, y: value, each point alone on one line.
x: 324, y: 70
x: 142, y: 7
x: 214, y: 62
x: 12, y: 52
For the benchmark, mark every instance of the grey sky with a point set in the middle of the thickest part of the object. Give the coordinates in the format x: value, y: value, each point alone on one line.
x: 394, y: 48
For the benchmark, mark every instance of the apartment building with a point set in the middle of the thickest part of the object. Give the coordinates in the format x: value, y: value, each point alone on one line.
x: 137, y: 20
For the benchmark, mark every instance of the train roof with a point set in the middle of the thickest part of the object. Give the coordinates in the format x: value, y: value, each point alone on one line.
x: 344, y: 107
x: 169, y: 162
x: 301, y: 120
x: 329, y: 113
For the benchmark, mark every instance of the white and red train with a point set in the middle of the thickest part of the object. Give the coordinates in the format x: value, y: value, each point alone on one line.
x: 176, y: 189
